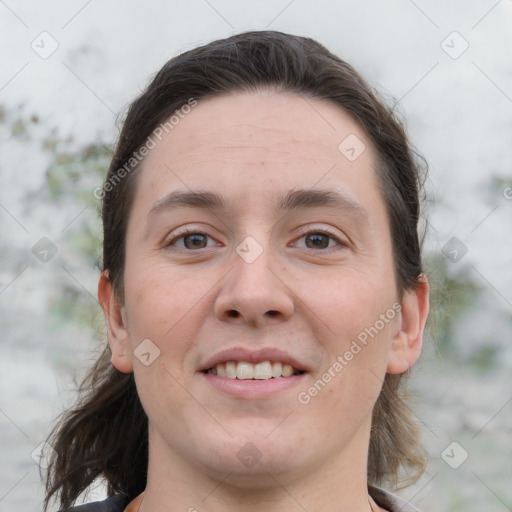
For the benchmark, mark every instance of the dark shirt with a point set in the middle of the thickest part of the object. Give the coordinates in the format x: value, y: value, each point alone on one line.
x: 119, y: 502
x: 116, y: 503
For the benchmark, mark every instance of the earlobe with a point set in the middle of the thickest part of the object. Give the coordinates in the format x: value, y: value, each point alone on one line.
x: 115, y: 318
x: 407, y: 342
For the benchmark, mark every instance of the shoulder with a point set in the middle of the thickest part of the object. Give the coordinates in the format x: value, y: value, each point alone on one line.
x: 390, y: 502
x: 119, y: 502
x: 116, y: 503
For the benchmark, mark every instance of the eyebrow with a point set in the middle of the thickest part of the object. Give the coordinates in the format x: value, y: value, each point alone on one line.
x: 296, y: 199
x: 176, y: 199
x: 316, y: 198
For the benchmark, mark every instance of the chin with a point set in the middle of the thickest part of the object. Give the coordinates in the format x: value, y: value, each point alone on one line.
x: 249, y: 459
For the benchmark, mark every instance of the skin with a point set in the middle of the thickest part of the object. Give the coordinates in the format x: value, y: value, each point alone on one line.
x: 192, y: 303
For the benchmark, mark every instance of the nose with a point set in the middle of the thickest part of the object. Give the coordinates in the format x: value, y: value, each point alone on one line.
x: 254, y: 293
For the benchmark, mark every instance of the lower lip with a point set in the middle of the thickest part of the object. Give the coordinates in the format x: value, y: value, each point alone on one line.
x: 241, y: 388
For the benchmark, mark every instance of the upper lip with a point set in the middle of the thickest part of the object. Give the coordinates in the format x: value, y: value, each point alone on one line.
x: 253, y: 356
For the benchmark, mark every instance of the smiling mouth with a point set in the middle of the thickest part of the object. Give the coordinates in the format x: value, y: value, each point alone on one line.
x: 244, y: 370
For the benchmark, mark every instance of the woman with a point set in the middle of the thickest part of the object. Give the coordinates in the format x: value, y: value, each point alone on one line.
x: 263, y: 292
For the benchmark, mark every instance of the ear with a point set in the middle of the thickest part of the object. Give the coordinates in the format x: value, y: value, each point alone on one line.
x: 117, y: 332
x: 407, y: 342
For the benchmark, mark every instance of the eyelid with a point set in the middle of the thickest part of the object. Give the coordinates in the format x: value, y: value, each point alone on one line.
x: 308, y: 230
x: 182, y: 232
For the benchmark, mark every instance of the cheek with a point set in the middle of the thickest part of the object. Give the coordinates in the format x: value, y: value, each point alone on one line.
x: 165, y: 306
x: 351, y: 301
x: 357, y: 323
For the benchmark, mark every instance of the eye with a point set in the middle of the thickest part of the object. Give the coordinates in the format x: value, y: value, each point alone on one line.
x: 318, y: 240
x: 192, y: 241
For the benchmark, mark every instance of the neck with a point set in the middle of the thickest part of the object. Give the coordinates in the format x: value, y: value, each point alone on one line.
x: 339, y: 484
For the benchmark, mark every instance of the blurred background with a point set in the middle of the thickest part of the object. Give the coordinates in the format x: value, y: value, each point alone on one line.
x: 69, y: 69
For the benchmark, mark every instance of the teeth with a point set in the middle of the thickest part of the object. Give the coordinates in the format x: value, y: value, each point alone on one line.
x: 246, y: 371
x: 287, y: 370
x: 231, y: 369
x: 263, y: 371
x: 277, y: 369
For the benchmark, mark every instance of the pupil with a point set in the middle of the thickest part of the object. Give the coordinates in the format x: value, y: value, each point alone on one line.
x: 196, y: 241
x: 317, y: 241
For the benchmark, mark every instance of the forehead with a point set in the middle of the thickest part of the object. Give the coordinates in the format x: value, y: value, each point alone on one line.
x: 262, y: 122
x: 248, y: 144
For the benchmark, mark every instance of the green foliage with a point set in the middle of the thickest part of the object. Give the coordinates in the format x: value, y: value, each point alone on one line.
x: 75, y: 175
x: 18, y: 128
x: 500, y: 183
x: 71, y: 180
x: 75, y: 306
x: 451, y: 294
x: 484, y: 358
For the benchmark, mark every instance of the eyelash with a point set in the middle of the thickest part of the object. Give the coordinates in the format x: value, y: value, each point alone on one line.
x: 324, y: 231
x: 182, y: 235
x: 321, y: 231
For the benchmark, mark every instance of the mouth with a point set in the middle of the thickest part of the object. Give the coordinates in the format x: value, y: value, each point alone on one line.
x: 245, y: 370
x: 249, y: 373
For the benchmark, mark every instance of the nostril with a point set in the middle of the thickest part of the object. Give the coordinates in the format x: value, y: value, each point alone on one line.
x: 272, y: 312
x: 233, y: 313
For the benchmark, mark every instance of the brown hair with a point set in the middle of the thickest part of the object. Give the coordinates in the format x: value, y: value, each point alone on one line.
x: 105, y: 435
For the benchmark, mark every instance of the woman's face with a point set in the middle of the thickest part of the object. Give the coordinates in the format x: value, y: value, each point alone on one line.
x: 258, y: 235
